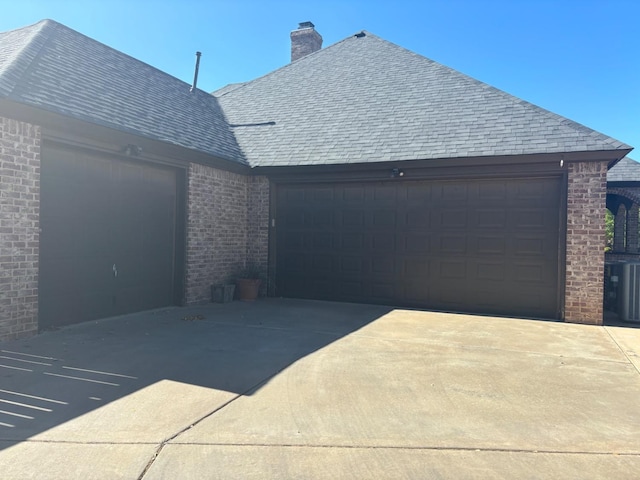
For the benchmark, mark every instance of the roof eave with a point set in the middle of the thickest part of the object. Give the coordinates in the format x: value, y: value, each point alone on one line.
x: 77, y: 132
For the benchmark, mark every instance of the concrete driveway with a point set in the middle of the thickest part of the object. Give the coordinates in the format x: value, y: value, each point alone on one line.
x: 302, y: 389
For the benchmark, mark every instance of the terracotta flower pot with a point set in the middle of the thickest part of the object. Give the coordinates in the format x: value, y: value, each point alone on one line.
x: 248, y: 288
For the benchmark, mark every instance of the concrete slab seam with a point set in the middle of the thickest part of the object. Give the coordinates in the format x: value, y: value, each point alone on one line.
x: 395, y: 447
x: 622, y: 350
x: 189, y: 427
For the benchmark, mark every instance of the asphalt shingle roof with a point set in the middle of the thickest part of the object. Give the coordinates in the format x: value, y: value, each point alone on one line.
x: 365, y: 99
x: 360, y: 100
x: 52, y: 67
x: 626, y: 170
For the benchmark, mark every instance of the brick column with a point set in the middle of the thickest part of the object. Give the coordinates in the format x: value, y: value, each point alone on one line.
x: 632, y: 229
x: 258, y: 225
x: 619, y: 227
x: 216, y: 229
x: 19, y: 228
x: 586, y: 204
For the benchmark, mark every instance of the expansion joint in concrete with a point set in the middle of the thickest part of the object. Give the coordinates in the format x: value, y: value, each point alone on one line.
x: 202, y: 418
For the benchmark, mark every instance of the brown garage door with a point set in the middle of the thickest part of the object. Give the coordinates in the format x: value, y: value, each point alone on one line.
x: 483, y: 246
x: 107, y: 243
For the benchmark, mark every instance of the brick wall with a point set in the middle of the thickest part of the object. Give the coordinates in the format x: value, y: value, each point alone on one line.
x: 19, y: 225
x: 258, y: 224
x: 586, y: 204
x: 228, y: 227
x: 216, y: 229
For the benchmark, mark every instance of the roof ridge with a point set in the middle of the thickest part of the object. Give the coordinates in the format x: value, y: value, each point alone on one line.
x: 17, y: 68
x: 98, y: 42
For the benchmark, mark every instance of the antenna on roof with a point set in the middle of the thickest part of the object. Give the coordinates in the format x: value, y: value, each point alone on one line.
x: 195, y: 75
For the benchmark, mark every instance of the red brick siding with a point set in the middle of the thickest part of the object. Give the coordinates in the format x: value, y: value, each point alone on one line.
x: 19, y: 226
x: 586, y: 204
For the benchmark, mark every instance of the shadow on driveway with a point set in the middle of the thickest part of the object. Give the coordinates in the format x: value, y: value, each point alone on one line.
x: 219, y: 350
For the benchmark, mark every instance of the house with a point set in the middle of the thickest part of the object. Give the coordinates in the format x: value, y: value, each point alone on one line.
x: 623, y: 201
x: 359, y: 172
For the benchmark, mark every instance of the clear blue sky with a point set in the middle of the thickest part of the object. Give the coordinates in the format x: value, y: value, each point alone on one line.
x: 578, y: 58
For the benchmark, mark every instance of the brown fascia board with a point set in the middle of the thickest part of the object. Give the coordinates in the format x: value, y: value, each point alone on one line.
x: 478, y: 165
x: 70, y: 131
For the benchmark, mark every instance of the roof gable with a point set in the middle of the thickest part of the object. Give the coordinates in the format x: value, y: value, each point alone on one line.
x: 52, y: 67
x: 367, y: 100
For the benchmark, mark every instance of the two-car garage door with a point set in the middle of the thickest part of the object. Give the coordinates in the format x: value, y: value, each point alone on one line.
x: 473, y: 245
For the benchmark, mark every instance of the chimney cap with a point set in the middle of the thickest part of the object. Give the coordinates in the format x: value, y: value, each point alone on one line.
x: 302, y: 25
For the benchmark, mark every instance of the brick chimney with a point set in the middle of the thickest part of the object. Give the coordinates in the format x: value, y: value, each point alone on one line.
x: 304, y: 40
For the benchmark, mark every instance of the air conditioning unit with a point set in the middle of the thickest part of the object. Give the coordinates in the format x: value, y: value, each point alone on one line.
x: 629, y: 308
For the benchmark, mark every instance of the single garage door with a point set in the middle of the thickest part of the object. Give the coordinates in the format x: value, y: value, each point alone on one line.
x: 481, y: 246
x: 107, y: 242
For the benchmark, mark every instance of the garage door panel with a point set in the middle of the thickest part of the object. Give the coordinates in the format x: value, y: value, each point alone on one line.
x: 414, y: 242
x: 352, y: 219
x: 486, y: 246
x: 449, y: 296
x: 454, y: 193
x: 530, y: 219
x: 529, y: 274
x: 385, y: 266
x: 452, y: 269
x: 383, y: 291
x: 452, y: 219
x: 352, y: 194
x: 494, y: 193
x: 453, y: 244
x: 352, y: 265
x: 490, y: 218
x: 384, y: 194
x: 352, y: 241
x: 491, y: 272
x: 323, y: 194
x: 383, y: 242
x: 417, y: 218
x: 293, y: 218
x: 322, y: 219
x: 417, y: 292
x: 536, y: 191
x: 530, y: 246
x: 384, y: 218
x: 420, y: 194
x: 414, y: 268
x: 323, y: 263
